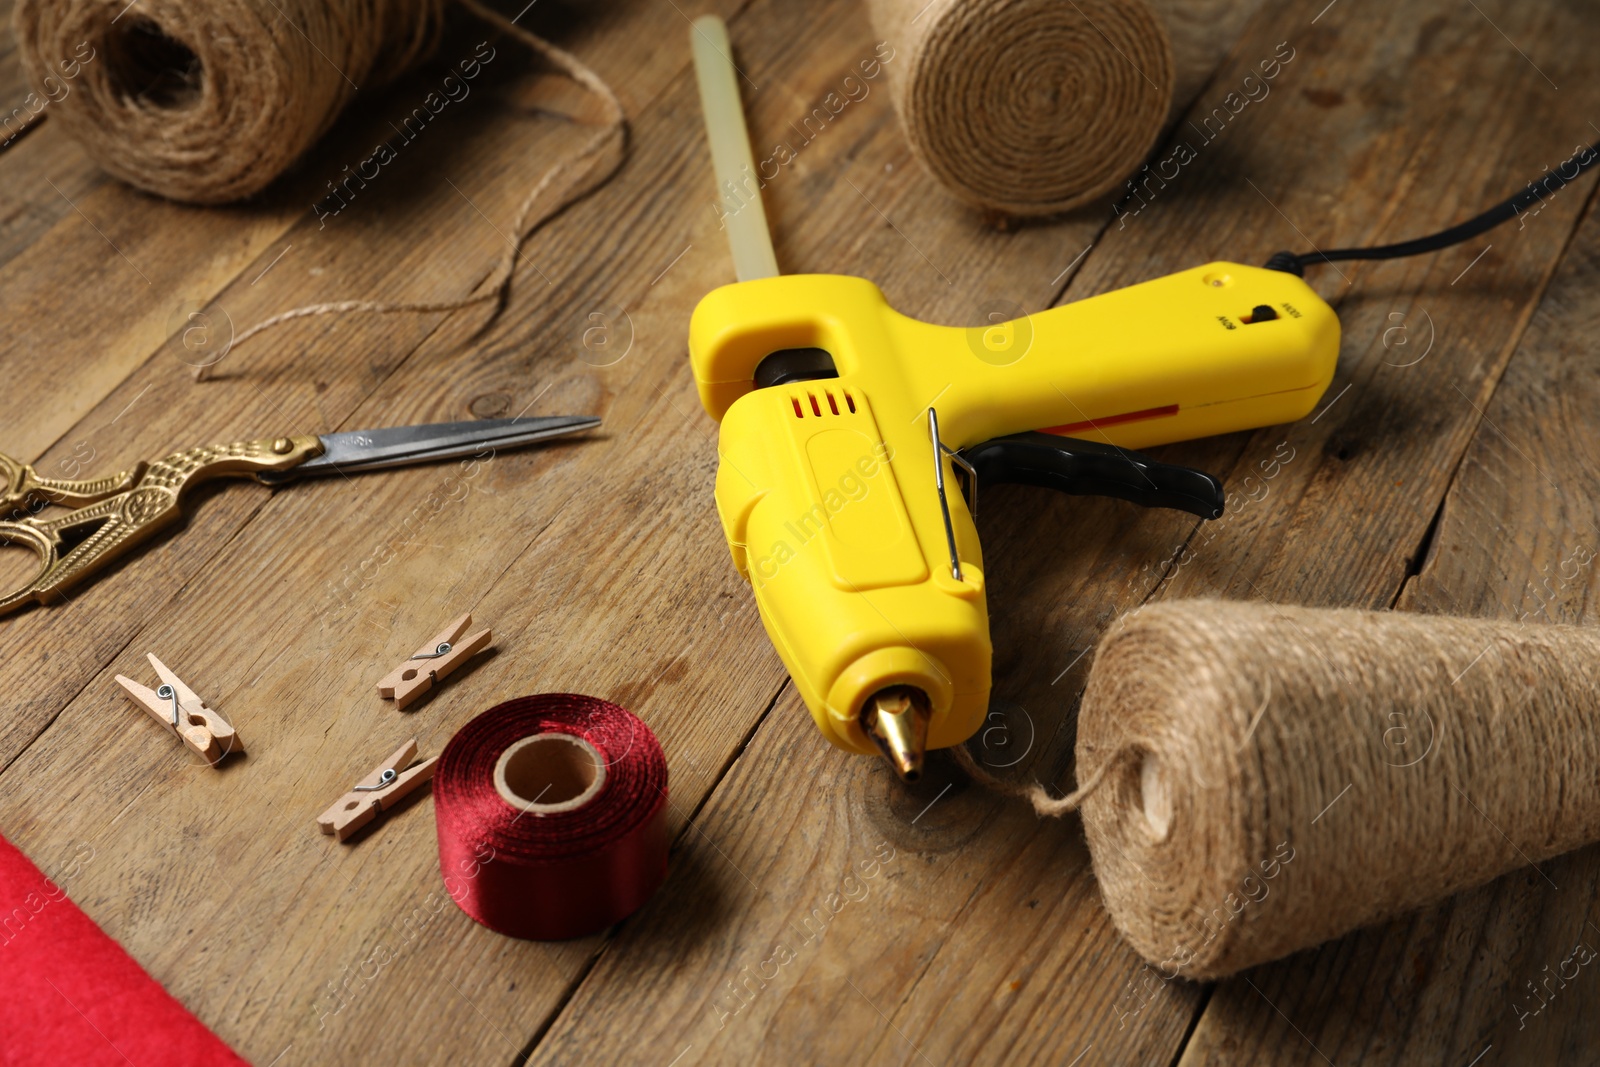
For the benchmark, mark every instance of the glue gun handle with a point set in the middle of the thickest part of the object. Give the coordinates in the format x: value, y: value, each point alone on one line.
x: 1089, y: 468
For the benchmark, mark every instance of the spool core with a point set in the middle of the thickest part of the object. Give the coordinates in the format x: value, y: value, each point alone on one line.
x: 146, y: 64
x: 1154, y: 799
x: 549, y: 773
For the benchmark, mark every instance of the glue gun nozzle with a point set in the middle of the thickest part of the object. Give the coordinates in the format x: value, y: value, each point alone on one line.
x: 896, y: 719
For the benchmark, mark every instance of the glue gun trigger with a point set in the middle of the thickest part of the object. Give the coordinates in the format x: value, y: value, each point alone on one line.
x: 1089, y: 468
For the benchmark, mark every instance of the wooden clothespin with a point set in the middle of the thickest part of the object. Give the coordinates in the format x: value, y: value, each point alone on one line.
x: 178, y: 708
x: 432, y: 662
x: 378, y: 791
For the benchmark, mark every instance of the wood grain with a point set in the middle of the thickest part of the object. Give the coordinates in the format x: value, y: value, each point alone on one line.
x: 1202, y: 32
x: 1487, y: 972
x: 319, y: 618
x: 999, y: 980
x: 447, y: 246
x: 938, y: 924
x: 13, y: 85
x: 651, y: 567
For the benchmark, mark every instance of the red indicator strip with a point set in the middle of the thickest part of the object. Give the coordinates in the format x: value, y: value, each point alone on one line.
x: 1115, y: 420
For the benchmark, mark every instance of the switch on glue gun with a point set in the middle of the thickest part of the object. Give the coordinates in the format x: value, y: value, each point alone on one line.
x: 855, y: 440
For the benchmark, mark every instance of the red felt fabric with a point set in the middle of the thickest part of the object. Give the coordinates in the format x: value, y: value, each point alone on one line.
x: 70, y: 995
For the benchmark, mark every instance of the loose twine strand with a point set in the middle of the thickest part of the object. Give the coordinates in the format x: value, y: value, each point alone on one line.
x: 209, y: 102
x: 1046, y: 804
x: 1043, y: 802
x: 598, y: 160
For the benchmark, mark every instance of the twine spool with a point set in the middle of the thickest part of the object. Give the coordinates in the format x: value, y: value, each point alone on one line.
x: 552, y: 816
x: 1259, y: 779
x: 209, y: 101
x: 1028, y: 107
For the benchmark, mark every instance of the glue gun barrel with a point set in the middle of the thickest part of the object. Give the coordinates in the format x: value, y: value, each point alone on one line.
x: 896, y: 719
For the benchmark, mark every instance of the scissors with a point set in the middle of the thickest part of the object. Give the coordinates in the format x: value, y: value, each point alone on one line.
x: 115, y: 515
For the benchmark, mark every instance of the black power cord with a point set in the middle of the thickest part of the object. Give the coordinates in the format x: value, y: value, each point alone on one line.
x: 1552, y: 182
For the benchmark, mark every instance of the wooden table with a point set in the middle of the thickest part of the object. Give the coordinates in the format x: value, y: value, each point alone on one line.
x: 1453, y: 467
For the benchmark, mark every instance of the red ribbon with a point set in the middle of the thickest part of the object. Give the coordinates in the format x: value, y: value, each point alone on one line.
x: 552, y: 876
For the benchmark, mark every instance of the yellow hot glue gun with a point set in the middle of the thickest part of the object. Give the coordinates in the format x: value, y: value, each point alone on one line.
x: 846, y: 428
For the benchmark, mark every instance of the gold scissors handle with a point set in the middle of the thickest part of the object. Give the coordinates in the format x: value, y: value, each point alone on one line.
x: 75, y: 547
x: 24, y: 489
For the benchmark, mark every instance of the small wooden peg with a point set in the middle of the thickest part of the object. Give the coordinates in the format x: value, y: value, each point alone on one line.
x: 378, y: 791
x: 432, y: 662
x: 180, y: 709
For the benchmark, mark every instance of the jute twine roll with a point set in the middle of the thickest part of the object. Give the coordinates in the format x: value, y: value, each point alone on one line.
x: 1256, y: 779
x: 209, y: 101
x: 1028, y: 107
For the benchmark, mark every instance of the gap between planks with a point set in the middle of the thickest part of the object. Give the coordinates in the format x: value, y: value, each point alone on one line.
x: 222, y: 286
x: 582, y: 976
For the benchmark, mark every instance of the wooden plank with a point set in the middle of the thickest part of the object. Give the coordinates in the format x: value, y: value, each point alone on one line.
x: 210, y: 248
x: 605, y: 545
x: 613, y: 554
x: 242, y: 264
x: 1000, y: 952
x: 1202, y: 32
x: 671, y: 984
x: 833, y: 908
x: 140, y: 262
x: 13, y: 86
x: 44, y: 175
x: 1430, y: 988
x: 1489, y: 976
x: 252, y: 668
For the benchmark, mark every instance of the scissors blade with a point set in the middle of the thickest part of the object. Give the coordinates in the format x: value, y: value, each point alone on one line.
x: 364, y: 450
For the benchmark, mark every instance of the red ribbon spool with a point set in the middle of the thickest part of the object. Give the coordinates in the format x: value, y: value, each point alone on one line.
x: 551, y: 813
